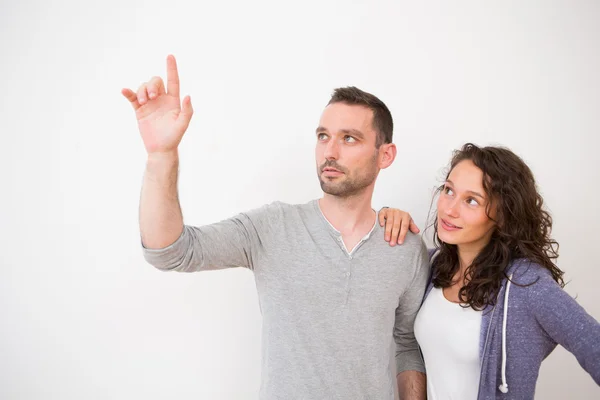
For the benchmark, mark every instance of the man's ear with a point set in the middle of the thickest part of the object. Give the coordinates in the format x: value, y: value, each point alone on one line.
x: 387, y: 155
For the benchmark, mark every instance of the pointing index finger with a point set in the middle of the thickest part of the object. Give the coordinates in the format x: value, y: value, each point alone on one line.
x: 172, y: 76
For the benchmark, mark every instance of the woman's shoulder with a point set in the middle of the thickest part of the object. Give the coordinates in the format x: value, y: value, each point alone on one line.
x: 527, y: 273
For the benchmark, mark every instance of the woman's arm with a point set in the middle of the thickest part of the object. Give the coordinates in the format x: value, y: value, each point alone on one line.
x: 566, y: 322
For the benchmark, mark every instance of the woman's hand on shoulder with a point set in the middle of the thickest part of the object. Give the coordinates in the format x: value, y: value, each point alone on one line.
x: 397, y: 223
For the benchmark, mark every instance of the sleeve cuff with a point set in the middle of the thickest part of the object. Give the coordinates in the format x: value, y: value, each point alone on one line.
x: 167, y: 258
x: 404, y: 364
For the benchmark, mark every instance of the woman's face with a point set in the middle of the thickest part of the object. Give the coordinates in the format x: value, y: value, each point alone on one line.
x: 462, y: 218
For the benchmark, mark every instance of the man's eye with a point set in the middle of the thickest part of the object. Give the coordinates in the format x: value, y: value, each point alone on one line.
x: 349, y: 139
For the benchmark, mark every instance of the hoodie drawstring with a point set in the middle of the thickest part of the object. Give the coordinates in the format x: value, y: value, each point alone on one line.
x: 504, y: 386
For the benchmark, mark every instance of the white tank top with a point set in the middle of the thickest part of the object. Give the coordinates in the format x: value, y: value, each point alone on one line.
x: 449, y: 338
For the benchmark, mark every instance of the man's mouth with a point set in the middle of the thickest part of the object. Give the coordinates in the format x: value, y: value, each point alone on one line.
x: 330, y: 169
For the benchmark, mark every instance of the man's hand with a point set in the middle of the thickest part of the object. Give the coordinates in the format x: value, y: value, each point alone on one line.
x: 397, y: 223
x: 162, y: 119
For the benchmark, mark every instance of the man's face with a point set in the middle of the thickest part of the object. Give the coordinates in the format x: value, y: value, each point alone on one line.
x: 347, y: 159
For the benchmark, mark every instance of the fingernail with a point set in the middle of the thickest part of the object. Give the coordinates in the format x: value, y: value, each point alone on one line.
x: 152, y: 95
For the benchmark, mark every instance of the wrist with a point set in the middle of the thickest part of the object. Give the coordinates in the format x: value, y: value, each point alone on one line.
x: 162, y: 165
x: 163, y: 157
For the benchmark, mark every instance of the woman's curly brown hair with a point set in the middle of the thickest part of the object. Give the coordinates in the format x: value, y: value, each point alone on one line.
x: 522, y: 227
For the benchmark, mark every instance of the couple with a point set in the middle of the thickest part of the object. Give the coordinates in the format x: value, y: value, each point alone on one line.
x: 479, y: 312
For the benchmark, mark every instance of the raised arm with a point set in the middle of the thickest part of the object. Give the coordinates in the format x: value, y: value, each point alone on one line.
x: 162, y: 120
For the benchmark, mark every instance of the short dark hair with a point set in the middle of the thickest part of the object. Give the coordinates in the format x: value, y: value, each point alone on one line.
x: 382, y: 117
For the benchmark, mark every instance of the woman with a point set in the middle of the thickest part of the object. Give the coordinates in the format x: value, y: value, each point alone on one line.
x: 494, y: 307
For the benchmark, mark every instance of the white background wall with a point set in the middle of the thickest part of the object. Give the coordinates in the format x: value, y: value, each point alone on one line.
x: 84, y: 317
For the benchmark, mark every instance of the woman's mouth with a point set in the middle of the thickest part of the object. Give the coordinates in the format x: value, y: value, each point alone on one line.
x: 448, y: 226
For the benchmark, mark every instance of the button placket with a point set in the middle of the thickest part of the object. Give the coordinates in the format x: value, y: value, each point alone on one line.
x: 348, y: 279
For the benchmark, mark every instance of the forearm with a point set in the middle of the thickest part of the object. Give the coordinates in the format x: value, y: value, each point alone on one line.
x: 161, y: 220
x: 412, y: 385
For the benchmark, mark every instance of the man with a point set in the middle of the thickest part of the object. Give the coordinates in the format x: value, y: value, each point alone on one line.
x: 332, y: 295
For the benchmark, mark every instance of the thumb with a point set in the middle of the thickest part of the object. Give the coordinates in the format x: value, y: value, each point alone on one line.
x: 183, y: 120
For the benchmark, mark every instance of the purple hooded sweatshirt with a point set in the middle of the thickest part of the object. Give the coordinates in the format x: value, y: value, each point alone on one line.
x: 524, y: 327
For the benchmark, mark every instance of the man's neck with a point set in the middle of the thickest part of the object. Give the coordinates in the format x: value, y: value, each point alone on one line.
x: 349, y: 215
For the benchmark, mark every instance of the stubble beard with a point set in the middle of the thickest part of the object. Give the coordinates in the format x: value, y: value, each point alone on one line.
x: 347, y: 185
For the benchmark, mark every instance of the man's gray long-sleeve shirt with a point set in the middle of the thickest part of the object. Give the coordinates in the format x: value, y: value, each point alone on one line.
x: 330, y: 317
